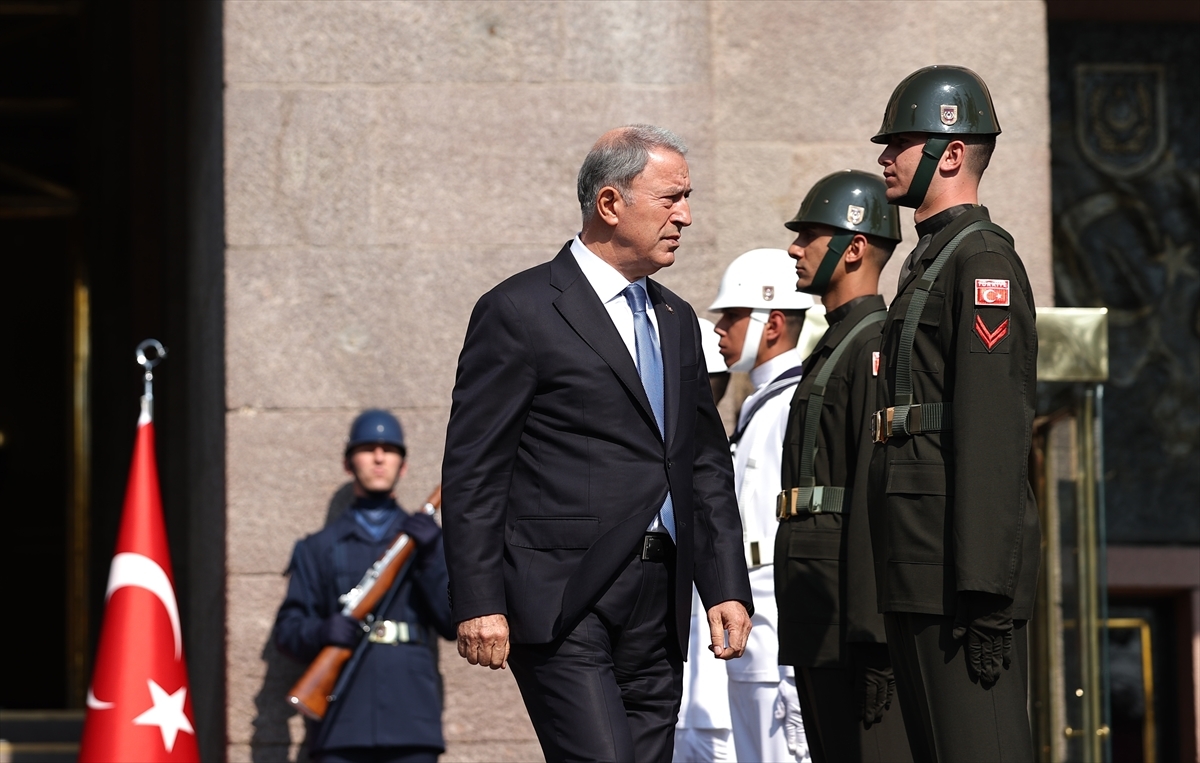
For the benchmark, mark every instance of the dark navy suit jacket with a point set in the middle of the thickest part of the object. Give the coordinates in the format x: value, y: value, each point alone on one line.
x: 554, y: 465
x: 394, y: 698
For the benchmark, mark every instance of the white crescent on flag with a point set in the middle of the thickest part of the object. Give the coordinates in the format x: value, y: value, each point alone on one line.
x: 97, y: 704
x: 143, y: 572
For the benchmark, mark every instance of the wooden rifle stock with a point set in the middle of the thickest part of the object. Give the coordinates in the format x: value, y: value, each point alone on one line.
x: 312, y: 693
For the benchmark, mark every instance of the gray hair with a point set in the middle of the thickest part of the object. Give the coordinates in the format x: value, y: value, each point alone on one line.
x: 618, y: 160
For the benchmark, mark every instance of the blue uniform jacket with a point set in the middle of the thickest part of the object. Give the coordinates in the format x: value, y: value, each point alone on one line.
x: 394, y: 698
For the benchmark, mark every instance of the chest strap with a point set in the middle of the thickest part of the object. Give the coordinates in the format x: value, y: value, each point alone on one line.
x: 807, y: 496
x: 906, y: 418
x: 785, y: 380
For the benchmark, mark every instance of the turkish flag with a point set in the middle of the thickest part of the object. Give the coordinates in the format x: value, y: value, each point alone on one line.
x: 139, y: 707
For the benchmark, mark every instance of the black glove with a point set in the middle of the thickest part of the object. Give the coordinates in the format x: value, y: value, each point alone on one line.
x: 425, y: 532
x: 874, y: 682
x: 340, y: 630
x: 983, y: 622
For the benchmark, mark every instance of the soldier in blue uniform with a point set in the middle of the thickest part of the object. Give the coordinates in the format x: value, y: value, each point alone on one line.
x: 391, y: 710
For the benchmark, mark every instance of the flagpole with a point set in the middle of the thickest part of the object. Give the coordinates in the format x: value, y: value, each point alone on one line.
x: 148, y: 362
x: 138, y: 704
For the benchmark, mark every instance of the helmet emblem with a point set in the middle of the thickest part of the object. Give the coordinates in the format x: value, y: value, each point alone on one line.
x: 949, y: 114
x: 768, y: 293
x: 854, y: 215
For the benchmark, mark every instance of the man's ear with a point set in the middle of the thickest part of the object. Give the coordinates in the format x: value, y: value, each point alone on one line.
x: 856, y: 250
x: 608, y: 203
x: 953, y: 157
x: 776, y: 325
x: 403, y: 468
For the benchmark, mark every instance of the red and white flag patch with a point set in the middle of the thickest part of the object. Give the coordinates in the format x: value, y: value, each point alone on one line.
x: 991, y: 292
x: 875, y: 364
x: 990, y: 337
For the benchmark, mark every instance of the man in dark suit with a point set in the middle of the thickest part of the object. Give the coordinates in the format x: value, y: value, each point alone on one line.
x: 587, y: 479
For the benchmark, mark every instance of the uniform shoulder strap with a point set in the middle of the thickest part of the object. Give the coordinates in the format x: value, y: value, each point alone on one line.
x: 816, y: 403
x: 786, y: 379
x: 903, y: 392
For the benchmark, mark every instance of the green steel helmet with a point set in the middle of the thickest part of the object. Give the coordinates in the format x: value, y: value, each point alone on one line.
x: 850, y: 200
x: 941, y: 100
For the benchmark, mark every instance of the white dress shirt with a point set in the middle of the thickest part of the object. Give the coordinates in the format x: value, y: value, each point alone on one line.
x: 609, y: 286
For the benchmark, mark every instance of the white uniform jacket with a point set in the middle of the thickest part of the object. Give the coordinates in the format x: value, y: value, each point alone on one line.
x: 756, y: 466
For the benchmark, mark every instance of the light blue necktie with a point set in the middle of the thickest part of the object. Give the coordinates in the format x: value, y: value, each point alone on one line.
x: 649, y: 365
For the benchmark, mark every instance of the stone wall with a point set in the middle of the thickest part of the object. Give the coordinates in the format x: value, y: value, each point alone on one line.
x: 388, y: 162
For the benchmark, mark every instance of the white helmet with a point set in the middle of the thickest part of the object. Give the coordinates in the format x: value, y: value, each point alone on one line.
x: 711, y: 344
x: 762, y: 280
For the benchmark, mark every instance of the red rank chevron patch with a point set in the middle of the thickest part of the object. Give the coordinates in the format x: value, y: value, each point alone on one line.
x: 990, y: 337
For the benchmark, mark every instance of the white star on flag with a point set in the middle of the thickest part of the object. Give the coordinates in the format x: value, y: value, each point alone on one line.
x: 167, y: 714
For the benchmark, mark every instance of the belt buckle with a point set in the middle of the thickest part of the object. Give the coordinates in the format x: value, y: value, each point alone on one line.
x: 384, y: 632
x: 653, y: 548
x: 881, y: 425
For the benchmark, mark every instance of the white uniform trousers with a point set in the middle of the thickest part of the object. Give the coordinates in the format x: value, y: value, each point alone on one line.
x: 754, y: 684
x: 703, y: 733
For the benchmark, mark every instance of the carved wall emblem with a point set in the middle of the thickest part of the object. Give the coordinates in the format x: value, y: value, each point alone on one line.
x: 1120, y: 116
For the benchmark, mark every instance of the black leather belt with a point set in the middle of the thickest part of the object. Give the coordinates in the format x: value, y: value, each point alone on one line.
x: 656, y: 547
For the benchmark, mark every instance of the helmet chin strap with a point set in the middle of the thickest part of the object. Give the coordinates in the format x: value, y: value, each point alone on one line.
x: 758, y: 320
x: 833, y: 255
x: 931, y: 154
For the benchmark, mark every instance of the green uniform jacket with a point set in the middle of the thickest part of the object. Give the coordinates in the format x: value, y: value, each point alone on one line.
x: 824, y: 575
x: 954, y: 511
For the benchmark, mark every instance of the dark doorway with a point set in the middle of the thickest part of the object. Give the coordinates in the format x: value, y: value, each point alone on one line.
x: 111, y: 231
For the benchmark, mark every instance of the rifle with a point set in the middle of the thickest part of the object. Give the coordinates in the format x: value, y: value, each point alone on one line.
x: 315, y: 690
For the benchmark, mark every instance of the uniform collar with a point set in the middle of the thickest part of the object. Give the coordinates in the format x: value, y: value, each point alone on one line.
x: 859, y: 308
x: 834, y: 317
x: 931, y: 225
x: 347, y: 526
x: 765, y: 373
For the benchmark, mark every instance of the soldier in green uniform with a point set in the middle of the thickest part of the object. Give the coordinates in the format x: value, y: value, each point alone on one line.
x: 954, y: 526
x: 830, y: 628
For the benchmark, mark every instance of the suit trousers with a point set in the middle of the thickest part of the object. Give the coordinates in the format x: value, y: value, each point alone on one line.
x: 949, y: 716
x: 379, y: 755
x: 834, y: 727
x: 609, y: 689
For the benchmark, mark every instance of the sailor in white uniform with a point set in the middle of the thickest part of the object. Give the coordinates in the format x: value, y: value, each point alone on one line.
x: 762, y: 316
x: 704, y: 733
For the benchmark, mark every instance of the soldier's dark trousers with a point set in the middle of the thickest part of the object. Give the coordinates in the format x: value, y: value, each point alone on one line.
x: 949, y: 716
x: 833, y: 727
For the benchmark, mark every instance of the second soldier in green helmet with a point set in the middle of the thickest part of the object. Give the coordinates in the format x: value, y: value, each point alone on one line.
x: 830, y: 629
